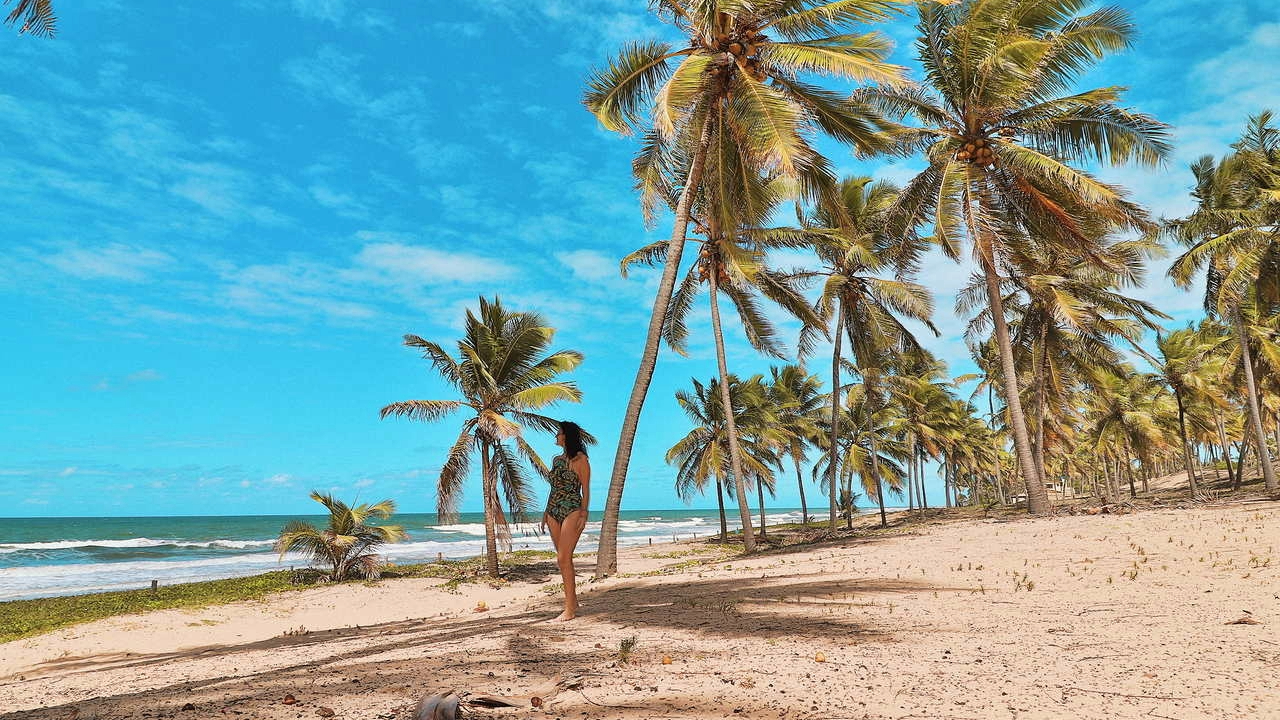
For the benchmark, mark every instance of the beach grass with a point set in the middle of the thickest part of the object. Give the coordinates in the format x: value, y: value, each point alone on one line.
x: 24, y: 618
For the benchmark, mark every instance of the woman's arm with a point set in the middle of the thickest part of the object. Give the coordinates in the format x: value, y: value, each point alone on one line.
x: 582, y: 468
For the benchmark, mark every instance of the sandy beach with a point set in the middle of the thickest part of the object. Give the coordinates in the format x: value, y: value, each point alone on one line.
x: 1106, y: 616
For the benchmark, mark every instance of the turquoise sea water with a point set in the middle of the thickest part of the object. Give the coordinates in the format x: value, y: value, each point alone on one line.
x: 43, y: 557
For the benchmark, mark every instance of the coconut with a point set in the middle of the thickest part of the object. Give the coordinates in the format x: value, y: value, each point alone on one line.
x: 980, y: 142
x: 969, y: 147
x: 736, y: 48
x: 962, y: 155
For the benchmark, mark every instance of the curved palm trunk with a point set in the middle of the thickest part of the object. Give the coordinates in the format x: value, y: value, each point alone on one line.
x: 804, y: 508
x: 731, y: 426
x: 875, y: 475
x: 835, y: 411
x: 1255, y: 414
x: 607, y: 553
x: 489, y: 486
x: 724, y: 522
x: 1037, y: 498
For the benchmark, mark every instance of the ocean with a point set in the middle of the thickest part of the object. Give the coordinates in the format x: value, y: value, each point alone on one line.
x: 45, y: 557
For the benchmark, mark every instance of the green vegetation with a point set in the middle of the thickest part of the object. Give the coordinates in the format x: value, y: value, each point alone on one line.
x: 24, y: 618
x: 347, y: 544
x: 504, y: 374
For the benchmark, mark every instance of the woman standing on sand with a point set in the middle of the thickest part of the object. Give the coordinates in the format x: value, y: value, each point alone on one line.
x: 566, y: 514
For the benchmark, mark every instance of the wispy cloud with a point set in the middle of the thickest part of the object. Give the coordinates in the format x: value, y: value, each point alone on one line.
x: 110, y: 262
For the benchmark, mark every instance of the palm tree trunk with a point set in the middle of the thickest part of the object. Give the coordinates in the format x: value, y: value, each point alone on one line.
x: 835, y: 410
x: 1042, y: 361
x: 911, y: 484
x: 1186, y: 444
x: 724, y: 523
x: 946, y: 480
x: 924, y: 499
x: 760, y: 493
x: 1225, y: 445
x: 607, y: 553
x: 1255, y: 414
x: 804, y: 509
x: 489, y: 486
x: 731, y: 427
x: 1037, y: 498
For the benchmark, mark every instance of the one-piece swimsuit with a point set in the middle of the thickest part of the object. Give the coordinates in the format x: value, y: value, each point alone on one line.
x: 566, y: 490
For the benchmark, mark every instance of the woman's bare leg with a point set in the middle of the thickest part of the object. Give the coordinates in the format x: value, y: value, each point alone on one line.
x: 566, y: 540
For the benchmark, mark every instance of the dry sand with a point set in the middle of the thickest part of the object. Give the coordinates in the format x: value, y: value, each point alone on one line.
x: 1111, y: 616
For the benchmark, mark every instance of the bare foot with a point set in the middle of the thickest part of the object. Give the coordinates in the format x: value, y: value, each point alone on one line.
x: 565, y: 616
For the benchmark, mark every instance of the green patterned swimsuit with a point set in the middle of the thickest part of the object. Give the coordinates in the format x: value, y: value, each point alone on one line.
x: 566, y: 490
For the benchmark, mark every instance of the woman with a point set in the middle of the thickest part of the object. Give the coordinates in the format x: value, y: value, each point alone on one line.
x: 566, y: 514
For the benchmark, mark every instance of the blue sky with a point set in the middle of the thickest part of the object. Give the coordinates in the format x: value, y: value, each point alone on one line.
x: 220, y: 218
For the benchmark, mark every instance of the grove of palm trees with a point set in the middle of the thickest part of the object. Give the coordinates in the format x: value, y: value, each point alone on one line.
x: 910, y: 263
x: 1077, y: 400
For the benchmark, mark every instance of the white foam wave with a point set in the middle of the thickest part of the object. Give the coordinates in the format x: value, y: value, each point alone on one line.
x: 132, y: 543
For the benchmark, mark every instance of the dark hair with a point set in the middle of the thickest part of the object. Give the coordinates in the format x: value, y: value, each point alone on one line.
x: 572, y: 439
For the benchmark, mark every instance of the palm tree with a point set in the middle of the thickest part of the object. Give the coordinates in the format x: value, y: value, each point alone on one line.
x: 1184, y: 358
x: 36, y: 15
x: 1233, y: 233
x: 702, y: 455
x: 798, y: 397
x: 1066, y: 313
x: 505, y: 375
x: 856, y: 251
x: 868, y: 446
x: 738, y: 79
x: 1001, y: 136
x: 347, y: 545
x: 732, y: 263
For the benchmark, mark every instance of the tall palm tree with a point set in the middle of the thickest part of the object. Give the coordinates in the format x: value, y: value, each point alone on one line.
x: 348, y: 545
x: 739, y: 78
x: 1235, y: 234
x: 1001, y: 135
x: 798, y: 397
x: 732, y: 263
x: 36, y: 15
x: 868, y: 446
x: 1066, y: 315
x: 505, y: 374
x: 856, y: 251
x: 702, y: 455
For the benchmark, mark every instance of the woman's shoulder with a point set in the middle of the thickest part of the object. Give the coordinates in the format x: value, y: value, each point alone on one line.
x: 579, y: 458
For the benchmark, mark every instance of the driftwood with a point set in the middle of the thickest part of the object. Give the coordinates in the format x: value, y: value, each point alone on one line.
x: 455, y: 705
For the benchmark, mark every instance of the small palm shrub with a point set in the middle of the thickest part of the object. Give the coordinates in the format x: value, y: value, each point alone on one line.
x: 348, y: 546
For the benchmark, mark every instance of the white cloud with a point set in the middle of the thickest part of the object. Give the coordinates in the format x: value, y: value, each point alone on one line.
x: 403, y: 264
x: 147, y: 375
x: 110, y: 262
x: 68, y: 472
x: 331, y: 11
x: 589, y: 265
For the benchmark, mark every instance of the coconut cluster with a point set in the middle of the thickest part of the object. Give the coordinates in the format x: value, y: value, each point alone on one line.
x: 707, y: 263
x: 743, y: 47
x: 977, y: 151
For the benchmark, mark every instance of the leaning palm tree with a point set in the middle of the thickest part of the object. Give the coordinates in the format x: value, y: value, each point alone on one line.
x: 36, y: 16
x: 1001, y: 134
x: 348, y: 545
x: 505, y: 375
x: 739, y: 79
